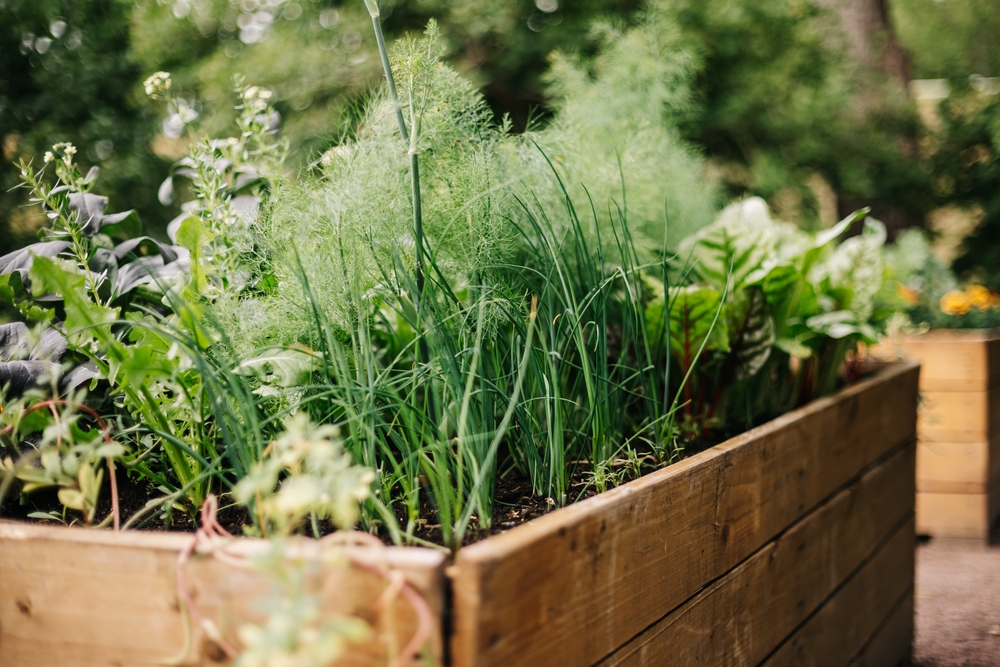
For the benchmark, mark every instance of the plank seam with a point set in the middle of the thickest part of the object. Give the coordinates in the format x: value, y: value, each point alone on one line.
x: 896, y: 449
x: 882, y: 625
x: 850, y: 577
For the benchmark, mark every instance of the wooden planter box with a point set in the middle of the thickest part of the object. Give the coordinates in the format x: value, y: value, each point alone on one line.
x: 958, y: 430
x: 791, y: 544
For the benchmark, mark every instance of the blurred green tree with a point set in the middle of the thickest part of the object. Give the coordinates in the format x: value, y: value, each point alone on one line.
x: 798, y: 108
x: 66, y: 74
x: 949, y: 39
x: 955, y: 40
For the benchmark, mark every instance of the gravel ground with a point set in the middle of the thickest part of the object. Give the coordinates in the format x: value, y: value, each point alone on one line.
x: 958, y: 604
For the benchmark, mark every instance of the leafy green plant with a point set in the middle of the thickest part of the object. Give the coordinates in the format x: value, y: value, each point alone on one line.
x: 768, y: 304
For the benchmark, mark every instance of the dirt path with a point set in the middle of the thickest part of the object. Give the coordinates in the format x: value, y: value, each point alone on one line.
x: 958, y: 604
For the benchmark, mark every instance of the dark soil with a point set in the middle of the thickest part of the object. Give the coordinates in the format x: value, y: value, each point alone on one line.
x: 133, y: 494
x: 514, y: 504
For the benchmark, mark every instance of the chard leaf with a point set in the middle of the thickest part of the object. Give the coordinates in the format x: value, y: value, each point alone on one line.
x: 90, y: 216
x: 692, y: 311
x: 742, y: 238
x: 751, y: 332
x: 790, y: 297
x: 86, y: 372
x: 824, y: 238
x: 853, y: 274
x: 11, y: 337
x: 842, y: 324
x: 793, y: 347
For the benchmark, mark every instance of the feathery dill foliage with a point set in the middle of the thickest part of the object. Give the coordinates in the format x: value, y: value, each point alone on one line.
x: 615, y: 133
x: 528, y: 352
x: 346, y: 228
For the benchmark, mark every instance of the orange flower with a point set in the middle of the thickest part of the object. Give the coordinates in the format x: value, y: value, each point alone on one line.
x: 908, y: 294
x: 978, y: 296
x: 955, y: 303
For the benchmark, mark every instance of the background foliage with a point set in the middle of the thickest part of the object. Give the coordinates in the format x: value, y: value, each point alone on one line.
x: 778, y: 106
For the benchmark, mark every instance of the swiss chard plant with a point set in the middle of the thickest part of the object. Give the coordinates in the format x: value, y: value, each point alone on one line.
x: 769, y: 314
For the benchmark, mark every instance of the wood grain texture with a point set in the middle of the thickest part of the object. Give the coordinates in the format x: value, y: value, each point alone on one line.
x: 951, y: 360
x: 741, y: 618
x: 848, y: 622
x: 959, y: 416
x: 892, y: 644
x: 83, y: 598
x: 571, y: 587
x: 953, y: 514
x: 953, y: 467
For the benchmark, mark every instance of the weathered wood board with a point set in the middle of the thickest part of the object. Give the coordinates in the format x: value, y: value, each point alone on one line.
x: 958, y: 456
x: 959, y: 416
x: 718, y: 559
x: 73, y: 597
x: 744, y: 616
x: 954, y: 467
x: 951, y: 360
x: 893, y: 639
x: 848, y: 622
x: 574, y: 586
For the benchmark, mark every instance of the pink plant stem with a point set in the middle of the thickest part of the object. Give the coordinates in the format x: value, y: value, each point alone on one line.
x: 211, y: 531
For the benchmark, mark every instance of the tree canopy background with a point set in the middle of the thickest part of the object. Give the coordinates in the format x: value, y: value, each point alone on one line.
x: 802, y: 102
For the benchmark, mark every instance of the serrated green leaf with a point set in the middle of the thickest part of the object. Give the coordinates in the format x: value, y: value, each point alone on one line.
x: 85, y: 320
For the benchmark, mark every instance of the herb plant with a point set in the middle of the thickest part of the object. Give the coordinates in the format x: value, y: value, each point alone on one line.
x: 436, y: 306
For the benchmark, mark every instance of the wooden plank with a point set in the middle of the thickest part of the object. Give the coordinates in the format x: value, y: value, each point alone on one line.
x: 74, y: 597
x: 892, y: 644
x: 953, y: 514
x: 953, y: 467
x: 952, y: 360
x: 847, y: 622
x: 746, y: 614
x: 959, y: 416
x: 570, y: 587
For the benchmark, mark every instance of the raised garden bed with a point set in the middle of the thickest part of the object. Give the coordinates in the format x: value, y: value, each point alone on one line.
x: 791, y: 544
x: 958, y: 453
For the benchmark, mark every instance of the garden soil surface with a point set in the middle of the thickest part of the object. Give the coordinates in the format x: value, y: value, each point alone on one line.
x: 958, y: 604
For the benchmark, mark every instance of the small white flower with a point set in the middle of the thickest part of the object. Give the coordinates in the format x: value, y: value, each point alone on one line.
x: 156, y: 84
x: 49, y: 157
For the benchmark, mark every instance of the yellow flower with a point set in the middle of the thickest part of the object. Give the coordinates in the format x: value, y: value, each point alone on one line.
x: 954, y: 303
x: 979, y: 297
